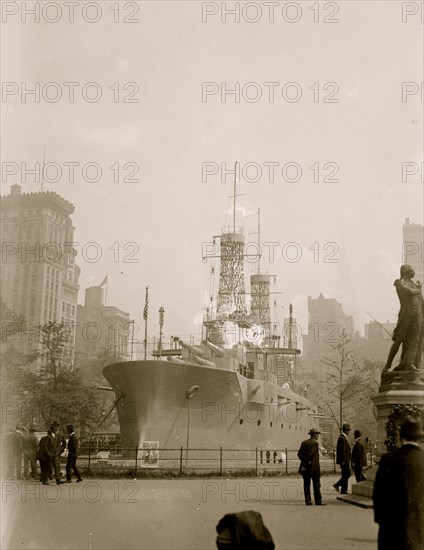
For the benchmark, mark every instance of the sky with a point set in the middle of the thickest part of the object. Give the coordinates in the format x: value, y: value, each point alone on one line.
x: 153, y: 227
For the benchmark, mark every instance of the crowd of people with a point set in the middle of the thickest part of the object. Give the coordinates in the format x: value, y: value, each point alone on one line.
x: 22, y: 447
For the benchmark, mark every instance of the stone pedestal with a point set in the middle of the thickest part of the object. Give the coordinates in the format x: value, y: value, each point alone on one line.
x: 388, y: 395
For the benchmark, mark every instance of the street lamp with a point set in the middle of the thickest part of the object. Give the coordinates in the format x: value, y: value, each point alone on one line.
x: 189, y: 394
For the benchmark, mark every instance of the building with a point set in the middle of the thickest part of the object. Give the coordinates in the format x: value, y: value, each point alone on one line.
x: 379, y: 331
x: 102, y: 330
x: 39, y: 273
x: 326, y: 321
x: 413, y: 248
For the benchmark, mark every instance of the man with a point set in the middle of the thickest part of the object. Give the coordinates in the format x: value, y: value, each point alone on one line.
x: 57, y: 449
x: 18, y: 447
x: 30, y: 453
x: 73, y: 451
x: 45, y: 452
x: 309, y: 467
x: 359, y: 456
x: 343, y: 458
x: 399, y: 493
x: 408, y: 331
x: 243, y: 530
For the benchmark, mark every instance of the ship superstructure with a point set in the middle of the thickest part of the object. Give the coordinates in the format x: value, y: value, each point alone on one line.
x: 233, y: 389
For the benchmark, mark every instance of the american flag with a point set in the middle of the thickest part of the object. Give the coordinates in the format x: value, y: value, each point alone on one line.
x: 146, y: 305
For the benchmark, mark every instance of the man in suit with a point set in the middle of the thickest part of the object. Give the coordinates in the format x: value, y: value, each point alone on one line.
x: 309, y: 467
x: 343, y: 458
x: 399, y: 493
x: 56, y: 449
x: 30, y: 452
x: 359, y: 456
x: 45, y: 452
x: 73, y: 451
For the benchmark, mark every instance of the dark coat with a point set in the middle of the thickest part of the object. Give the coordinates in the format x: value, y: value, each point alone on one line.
x: 73, y: 447
x: 244, y: 530
x: 399, y: 499
x: 56, y: 443
x: 45, y: 449
x: 309, y: 457
x: 359, y: 453
x: 343, y: 450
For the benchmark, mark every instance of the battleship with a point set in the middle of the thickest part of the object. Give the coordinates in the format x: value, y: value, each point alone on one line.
x: 235, y: 388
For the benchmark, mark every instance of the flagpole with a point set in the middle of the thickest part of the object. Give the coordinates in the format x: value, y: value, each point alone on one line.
x: 145, y: 317
x: 132, y: 340
x: 106, y: 292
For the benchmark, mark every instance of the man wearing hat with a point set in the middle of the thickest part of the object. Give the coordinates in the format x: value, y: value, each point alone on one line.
x: 57, y: 447
x: 359, y: 456
x: 399, y: 493
x: 30, y: 453
x: 309, y: 467
x: 343, y: 457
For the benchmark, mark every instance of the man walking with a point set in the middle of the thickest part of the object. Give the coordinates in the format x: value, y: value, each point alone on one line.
x: 310, y: 468
x: 399, y: 493
x: 57, y: 448
x: 343, y: 458
x: 73, y: 451
x: 359, y: 456
x: 44, y: 455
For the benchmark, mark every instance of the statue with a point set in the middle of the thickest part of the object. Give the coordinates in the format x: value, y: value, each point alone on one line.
x: 409, y: 328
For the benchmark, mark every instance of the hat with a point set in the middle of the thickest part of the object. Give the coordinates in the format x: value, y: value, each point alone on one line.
x: 411, y: 430
x: 313, y: 431
x: 55, y: 423
x: 357, y: 433
x: 346, y: 427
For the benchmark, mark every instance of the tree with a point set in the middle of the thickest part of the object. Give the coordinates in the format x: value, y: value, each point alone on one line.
x: 348, y: 385
x: 56, y: 349
x: 57, y: 391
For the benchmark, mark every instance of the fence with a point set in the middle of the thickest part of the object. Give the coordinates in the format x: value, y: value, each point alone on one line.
x: 179, y: 461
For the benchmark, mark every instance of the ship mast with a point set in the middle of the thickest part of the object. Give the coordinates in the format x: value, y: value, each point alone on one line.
x: 260, y: 292
x: 231, y: 293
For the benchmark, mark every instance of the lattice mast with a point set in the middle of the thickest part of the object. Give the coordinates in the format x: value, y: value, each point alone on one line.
x: 260, y: 292
x: 231, y: 293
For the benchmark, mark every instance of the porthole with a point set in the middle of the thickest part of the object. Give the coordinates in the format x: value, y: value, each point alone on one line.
x: 241, y: 421
x: 259, y: 422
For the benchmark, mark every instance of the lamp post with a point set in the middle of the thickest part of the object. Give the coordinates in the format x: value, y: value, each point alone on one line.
x: 161, y: 318
x: 189, y: 394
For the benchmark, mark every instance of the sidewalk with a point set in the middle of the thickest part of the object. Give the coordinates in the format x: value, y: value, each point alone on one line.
x: 175, y: 514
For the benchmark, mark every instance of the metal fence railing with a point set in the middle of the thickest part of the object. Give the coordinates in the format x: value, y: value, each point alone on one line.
x: 179, y: 461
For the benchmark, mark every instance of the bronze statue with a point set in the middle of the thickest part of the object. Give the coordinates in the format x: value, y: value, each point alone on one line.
x: 409, y: 328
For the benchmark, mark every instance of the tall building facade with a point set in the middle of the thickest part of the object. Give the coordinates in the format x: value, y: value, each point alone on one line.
x: 102, y: 330
x: 39, y: 272
x: 326, y: 321
x: 413, y: 248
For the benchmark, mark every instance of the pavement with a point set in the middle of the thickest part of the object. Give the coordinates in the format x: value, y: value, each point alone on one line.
x: 175, y: 514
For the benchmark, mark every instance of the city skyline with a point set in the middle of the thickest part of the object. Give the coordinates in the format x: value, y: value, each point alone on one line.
x: 158, y: 148
x: 209, y: 249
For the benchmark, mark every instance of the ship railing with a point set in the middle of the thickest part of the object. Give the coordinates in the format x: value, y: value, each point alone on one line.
x: 109, y: 460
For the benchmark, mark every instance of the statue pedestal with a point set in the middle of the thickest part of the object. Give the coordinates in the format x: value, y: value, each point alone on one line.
x: 389, y: 395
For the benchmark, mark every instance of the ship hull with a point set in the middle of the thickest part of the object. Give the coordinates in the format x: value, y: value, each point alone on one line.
x: 226, y: 410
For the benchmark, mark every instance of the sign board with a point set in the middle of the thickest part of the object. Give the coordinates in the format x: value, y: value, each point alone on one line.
x: 149, y: 454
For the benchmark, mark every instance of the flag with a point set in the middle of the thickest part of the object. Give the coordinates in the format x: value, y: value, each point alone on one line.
x: 146, y: 305
x: 104, y: 281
